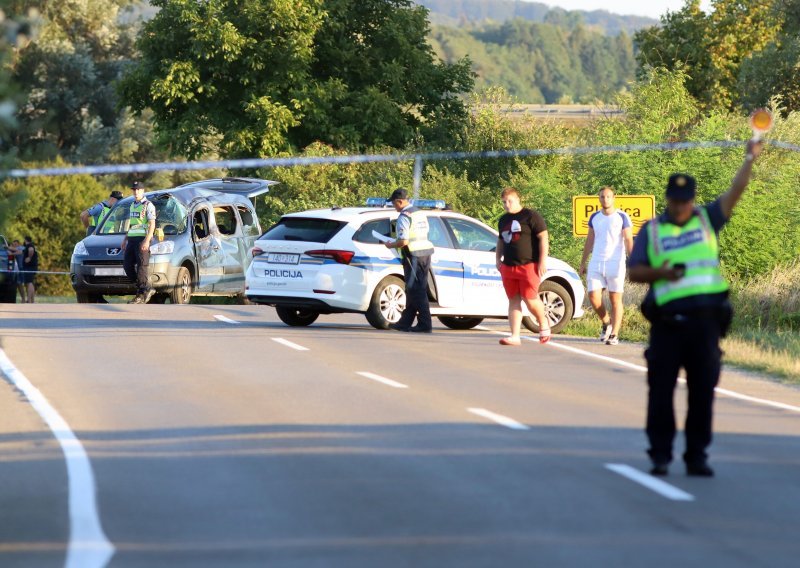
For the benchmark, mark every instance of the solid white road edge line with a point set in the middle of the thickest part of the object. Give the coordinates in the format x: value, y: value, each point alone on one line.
x: 88, y: 546
x: 383, y: 380
x: 500, y: 419
x: 288, y: 343
x: 661, y: 487
x: 225, y: 319
x: 718, y: 390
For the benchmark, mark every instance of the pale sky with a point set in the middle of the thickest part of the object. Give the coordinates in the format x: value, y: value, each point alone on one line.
x: 651, y: 8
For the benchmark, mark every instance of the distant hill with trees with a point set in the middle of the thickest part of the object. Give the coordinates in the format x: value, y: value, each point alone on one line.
x: 541, y: 62
x: 460, y: 13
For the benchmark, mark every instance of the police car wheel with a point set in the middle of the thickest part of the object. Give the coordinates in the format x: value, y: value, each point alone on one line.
x: 387, y: 303
x: 297, y: 317
x: 558, y: 307
x: 459, y: 322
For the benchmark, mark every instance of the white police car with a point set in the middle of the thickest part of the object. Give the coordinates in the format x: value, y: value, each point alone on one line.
x: 327, y: 261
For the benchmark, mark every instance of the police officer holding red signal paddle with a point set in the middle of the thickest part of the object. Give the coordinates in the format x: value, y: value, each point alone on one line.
x: 677, y: 253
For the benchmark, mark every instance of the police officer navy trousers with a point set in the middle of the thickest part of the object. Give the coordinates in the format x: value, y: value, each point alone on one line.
x: 415, y: 271
x: 135, y: 264
x: 692, y: 343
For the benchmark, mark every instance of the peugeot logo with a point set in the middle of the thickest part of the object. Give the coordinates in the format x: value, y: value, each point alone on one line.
x: 113, y: 251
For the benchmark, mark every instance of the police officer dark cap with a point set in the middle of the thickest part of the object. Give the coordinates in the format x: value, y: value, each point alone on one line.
x: 116, y: 194
x: 399, y: 194
x: 137, y: 185
x: 681, y: 187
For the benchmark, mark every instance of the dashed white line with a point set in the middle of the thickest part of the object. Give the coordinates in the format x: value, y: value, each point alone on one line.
x: 225, y: 319
x: 383, y: 380
x: 661, y: 487
x: 635, y: 367
x: 288, y: 343
x: 88, y: 546
x: 499, y: 418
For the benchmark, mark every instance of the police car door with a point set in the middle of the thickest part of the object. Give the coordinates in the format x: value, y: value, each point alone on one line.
x: 483, y: 289
x: 447, y: 265
x: 208, y: 251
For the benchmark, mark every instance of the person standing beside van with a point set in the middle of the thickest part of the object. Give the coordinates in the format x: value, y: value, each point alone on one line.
x: 136, y: 244
x: 92, y: 216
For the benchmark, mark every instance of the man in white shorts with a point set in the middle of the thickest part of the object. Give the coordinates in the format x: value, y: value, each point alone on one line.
x: 610, y: 240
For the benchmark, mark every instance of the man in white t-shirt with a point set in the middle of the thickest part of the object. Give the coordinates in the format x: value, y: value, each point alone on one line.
x: 610, y: 240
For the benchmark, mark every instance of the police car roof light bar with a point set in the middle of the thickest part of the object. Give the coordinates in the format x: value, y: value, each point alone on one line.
x: 421, y: 203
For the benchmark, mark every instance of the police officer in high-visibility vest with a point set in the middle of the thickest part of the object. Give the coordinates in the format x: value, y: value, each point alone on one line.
x: 136, y: 244
x: 415, y: 251
x: 92, y: 216
x: 677, y: 253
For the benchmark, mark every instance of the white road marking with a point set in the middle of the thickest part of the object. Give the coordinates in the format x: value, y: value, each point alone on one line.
x: 88, y: 546
x: 500, y: 419
x: 661, y: 487
x: 225, y: 319
x: 718, y: 390
x: 288, y: 343
x: 633, y: 366
x: 733, y: 394
x: 383, y: 380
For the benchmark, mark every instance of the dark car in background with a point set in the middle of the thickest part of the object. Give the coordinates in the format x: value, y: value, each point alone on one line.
x: 204, y: 232
x: 8, y: 283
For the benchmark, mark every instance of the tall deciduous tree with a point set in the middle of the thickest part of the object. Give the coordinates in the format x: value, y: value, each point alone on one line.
x: 710, y: 48
x: 375, y: 79
x: 67, y: 74
x: 224, y: 74
x: 256, y: 77
x: 775, y: 70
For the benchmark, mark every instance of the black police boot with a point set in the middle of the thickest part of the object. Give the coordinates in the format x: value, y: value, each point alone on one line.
x: 699, y: 469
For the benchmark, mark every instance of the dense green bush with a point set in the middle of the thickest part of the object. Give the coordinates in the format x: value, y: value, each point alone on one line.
x: 49, y: 213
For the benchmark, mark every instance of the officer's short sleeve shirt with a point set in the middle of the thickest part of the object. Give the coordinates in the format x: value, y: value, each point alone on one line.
x: 404, y: 225
x: 95, y: 210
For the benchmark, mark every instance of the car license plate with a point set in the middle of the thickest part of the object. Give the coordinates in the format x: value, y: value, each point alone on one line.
x: 115, y: 271
x: 282, y: 258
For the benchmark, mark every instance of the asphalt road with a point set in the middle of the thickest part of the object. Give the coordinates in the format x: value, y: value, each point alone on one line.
x: 217, y: 436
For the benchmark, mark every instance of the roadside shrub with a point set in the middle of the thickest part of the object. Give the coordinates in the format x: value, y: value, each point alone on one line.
x: 50, y: 214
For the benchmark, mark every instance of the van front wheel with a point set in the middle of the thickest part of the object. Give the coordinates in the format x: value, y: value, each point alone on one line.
x: 181, y: 293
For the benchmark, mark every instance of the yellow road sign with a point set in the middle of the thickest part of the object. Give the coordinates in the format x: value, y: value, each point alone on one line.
x: 640, y: 208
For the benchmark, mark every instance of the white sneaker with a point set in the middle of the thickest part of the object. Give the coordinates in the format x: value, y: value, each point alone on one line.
x: 605, y: 332
x: 612, y: 340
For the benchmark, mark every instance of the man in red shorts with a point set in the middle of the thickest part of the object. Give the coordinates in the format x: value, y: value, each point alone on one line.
x: 522, y: 249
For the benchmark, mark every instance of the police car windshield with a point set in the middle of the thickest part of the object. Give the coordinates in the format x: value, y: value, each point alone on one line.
x: 171, y: 216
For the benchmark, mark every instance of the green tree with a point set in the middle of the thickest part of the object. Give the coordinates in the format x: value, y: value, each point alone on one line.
x: 67, y: 73
x: 49, y: 213
x: 14, y: 32
x: 376, y: 81
x: 256, y: 77
x: 710, y: 48
x: 775, y: 70
x: 224, y: 75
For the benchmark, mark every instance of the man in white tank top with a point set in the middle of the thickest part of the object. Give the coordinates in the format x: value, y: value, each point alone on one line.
x: 610, y: 240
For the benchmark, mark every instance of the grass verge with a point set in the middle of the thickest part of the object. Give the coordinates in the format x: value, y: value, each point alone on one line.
x: 764, y: 336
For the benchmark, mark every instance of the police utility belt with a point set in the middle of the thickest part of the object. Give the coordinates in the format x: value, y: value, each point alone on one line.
x: 721, y: 313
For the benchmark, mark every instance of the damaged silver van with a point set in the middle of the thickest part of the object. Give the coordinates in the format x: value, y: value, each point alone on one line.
x: 204, y: 231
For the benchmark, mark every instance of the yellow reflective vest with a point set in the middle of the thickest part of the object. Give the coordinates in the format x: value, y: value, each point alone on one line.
x: 418, y: 243
x: 694, y: 244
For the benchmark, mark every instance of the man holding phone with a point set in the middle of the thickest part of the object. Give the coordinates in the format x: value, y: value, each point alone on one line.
x: 677, y: 253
